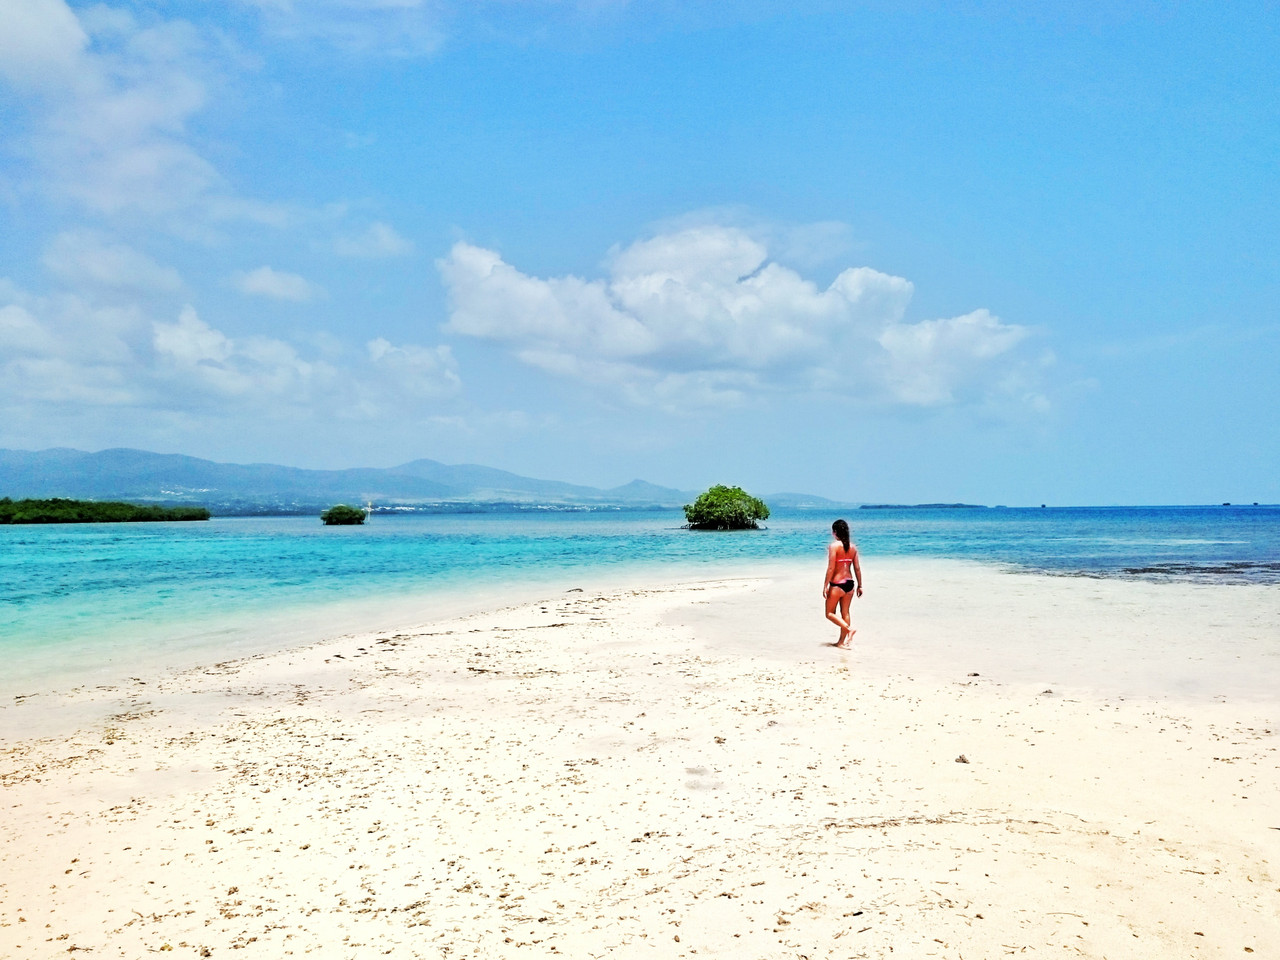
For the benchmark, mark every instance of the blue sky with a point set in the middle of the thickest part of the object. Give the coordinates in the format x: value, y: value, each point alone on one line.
x: 994, y: 252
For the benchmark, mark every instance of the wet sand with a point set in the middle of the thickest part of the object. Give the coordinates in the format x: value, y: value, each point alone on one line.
x: 682, y: 769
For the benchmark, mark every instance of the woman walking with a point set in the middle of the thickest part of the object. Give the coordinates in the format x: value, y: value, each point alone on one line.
x: 843, y: 577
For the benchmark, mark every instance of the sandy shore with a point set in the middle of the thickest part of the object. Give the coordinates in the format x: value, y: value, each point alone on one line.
x: 1003, y: 764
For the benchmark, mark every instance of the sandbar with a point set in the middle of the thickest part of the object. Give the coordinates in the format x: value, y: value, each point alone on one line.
x: 1004, y: 763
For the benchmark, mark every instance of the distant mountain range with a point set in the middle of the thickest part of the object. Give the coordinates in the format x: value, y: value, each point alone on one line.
x: 231, y: 488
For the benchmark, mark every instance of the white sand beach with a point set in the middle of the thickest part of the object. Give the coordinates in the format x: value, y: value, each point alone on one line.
x: 1004, y: 764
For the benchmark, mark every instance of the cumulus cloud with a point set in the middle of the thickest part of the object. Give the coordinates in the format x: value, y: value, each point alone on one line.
x: 190, y: 341
x: 379, y: 240
x: 70, y: 355
x: 21, y: 334
x: 41, y: 43
x: 386, y: 379
x: 703, y: 316
x: 64, y: 350
x: 275, y: 285
x: 86, y: 258
x: 423, y: 371
x: 110, y: 102
x: 928, y: 362
x: 204, y: 359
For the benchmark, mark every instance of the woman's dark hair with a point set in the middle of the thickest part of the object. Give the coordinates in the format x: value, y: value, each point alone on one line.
x: 841, y: 530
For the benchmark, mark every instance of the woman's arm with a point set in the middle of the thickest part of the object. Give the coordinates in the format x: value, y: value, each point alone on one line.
x: 857, y: 570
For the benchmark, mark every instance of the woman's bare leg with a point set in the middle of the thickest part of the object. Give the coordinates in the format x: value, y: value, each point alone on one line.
x: 833, y: 600
x: 847, y: 634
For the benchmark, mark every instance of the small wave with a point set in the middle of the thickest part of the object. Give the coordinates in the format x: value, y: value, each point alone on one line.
x: 1243, y: 571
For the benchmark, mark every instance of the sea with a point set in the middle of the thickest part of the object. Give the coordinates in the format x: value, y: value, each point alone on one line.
x: 87, y: 602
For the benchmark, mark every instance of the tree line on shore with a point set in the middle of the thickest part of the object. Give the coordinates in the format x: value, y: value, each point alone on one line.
x: 719, y: 508
x: 59, y: 510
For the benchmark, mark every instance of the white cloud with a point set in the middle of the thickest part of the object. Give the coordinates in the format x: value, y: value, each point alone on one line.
x: 702, y: 316
x: 928, y: 361
x: 191, y: 342
x: 64, y: 350
x: 275, y: 285
x: 86, y: 258
x: 424, y: 371
x: 257, y: 370
x: 378, y: 241
x: 44, y: 381
x: 494, y: 300
x: 73, y: 353
x: 72, y: 325
x: 110, y: 103
x: 399, y: 28
x: 804, y: 246
x: 40, y: 44
x: 21, y: 334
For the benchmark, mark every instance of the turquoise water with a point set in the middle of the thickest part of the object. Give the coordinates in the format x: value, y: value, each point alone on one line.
x: 81, y: 594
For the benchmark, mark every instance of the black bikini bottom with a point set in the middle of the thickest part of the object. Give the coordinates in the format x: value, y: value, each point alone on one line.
x: 845, y: 585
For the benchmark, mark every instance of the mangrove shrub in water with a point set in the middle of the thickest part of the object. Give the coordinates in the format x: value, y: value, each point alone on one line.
x: 342, y: 515
x: 725, y: 508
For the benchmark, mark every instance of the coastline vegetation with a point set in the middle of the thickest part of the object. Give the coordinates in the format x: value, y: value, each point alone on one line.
x: 59, y: 510
x: 342, y: 515
x: 725, y: 508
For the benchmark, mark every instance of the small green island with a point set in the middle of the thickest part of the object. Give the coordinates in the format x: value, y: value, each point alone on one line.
x: 59, y: 510
x: 342, y: 515
x: 725, y: 508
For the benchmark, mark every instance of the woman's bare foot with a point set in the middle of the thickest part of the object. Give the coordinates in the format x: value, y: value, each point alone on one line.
x: 843, y: 624
x: 844, y: 643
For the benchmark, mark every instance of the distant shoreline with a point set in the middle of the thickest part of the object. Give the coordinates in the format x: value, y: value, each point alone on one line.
x: 924, y: 506
x: 59, y: 510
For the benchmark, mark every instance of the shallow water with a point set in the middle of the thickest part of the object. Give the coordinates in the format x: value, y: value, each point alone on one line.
x: 89, y: 599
